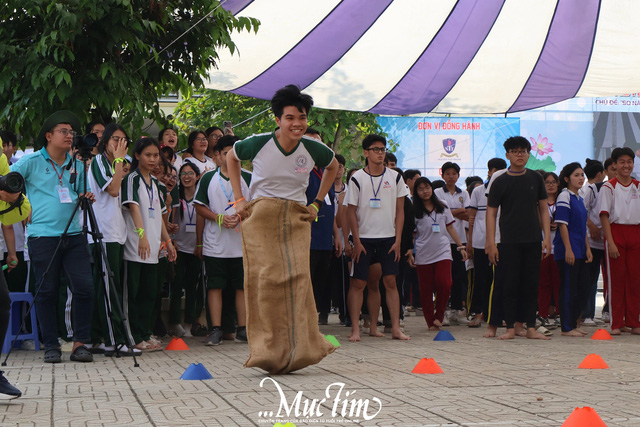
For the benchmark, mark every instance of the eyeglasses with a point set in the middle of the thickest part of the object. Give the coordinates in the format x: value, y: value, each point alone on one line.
x: 518, y: 152
x: 120, y: 138
x: 378, y: 150
x: 551, y: 183
x: 66, y: 132
x: 201, y: 139
x: 187, y: 174
x: 215, y: 136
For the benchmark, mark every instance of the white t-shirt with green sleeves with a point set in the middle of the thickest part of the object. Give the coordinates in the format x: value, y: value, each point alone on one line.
x: 279, y: 174
x: 214, y: 191
x: 134, y: 190
x: 106, y: 207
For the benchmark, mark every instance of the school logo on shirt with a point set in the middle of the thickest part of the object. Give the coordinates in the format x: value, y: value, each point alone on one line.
x: 301, y: 164
x: 449, y: 145
x: 386, y: 184
x: 461, y: 199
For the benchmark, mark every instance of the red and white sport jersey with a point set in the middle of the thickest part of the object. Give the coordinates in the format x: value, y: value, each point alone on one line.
x: 622, y: 203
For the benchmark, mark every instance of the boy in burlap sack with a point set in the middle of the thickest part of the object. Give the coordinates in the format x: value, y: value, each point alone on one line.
x: 282, y: 327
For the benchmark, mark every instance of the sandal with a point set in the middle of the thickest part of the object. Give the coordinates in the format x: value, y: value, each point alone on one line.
x: 53, y: 355
x: 147, y: 347
x: 81, y: 354
x: 544, y: 331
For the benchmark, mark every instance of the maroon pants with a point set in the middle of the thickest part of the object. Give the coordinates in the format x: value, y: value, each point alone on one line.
x: 548, y: 285
x: 624, y: 295
x: 434, y: 278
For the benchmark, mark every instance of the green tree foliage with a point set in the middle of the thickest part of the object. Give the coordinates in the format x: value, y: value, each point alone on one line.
x: 341, y: 130
x: 105, y: 58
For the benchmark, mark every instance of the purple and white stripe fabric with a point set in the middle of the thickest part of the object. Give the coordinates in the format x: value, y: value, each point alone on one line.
x: 445, y: 56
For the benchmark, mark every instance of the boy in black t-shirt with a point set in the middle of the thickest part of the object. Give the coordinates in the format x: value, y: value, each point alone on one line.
x: 520, y: 193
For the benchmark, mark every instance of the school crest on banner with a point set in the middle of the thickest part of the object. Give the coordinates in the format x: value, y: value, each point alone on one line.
x: 449, y: 145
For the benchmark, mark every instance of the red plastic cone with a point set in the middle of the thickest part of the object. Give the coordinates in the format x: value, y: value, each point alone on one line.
x: 177, y: 344
x: 584, y: 417
x: 427, y: 366
x: 593, y: 361
x: 601, y: 334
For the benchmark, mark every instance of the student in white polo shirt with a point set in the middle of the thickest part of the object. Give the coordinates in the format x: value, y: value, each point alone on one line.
x: 619, y: 209
x: 376, y: 216
x: 457, y: 200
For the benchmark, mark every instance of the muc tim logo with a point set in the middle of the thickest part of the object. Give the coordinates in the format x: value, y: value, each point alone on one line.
x: 335, y: 406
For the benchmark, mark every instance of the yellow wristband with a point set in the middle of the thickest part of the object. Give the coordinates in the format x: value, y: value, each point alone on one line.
x: 140, y: 232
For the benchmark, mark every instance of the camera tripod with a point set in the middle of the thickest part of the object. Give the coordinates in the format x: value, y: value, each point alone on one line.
x: 112, y: 300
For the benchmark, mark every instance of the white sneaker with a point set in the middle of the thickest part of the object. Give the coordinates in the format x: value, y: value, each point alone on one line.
x: 445, y: 319
x: 605, y: 317
x: 458, y: 318
x: 588, y: 322
x: 178, y: 330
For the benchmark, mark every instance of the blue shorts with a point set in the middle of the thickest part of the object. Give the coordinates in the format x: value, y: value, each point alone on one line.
x: 377, y: 252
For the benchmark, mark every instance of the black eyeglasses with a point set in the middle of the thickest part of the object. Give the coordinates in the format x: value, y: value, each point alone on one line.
x: 378, y: 150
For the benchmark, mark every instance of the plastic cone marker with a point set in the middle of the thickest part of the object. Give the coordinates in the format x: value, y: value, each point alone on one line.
x: 584, y: 417
x: 196, y: 371
x: 427, y: 366
x: 601, y: 334
x: 593, y: 361
x: 333, y: 340
x: 444, y: 335
x: 177, y: 344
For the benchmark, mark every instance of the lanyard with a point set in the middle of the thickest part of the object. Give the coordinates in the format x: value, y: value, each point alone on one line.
x: 433, y: 219
x: 319, y: 173
x: 55, y: 169
x: 224, y: 190
x: 193, y: 211
x: 375, y: 192
x: 149, y: 189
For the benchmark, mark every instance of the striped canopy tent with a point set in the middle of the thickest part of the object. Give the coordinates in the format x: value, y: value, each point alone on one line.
x: 440, y: 56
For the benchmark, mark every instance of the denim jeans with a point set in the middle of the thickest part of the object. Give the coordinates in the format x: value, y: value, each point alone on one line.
x: 72, y: 258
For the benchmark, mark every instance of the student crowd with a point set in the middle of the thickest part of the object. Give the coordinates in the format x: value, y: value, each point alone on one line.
x: 519, y: 249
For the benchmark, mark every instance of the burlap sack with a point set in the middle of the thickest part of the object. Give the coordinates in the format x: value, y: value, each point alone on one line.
x: 282, y: 321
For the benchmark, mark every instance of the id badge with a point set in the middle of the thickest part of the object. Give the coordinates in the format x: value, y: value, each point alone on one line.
x: 327, y: 200
x: 152, y: 213
x: 63, y: 194
x: 190, y: 228
x: 374, y: 203
x: 435, y: 228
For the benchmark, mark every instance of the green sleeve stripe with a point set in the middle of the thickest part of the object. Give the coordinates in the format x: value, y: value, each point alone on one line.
x: 202, y: 192
x: 100, y: 174
x: 320, y: 153
x: 246, y: 175
x: 130, y: 187
x: 248, y: 148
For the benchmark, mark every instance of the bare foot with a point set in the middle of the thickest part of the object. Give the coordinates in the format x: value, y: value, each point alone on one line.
x: 374, y: 332
x: 434, y: 328
x: 509, y: 335
x: 615, y: 331
x: 437, y: 323
x: 519, y: 330
x: 491, y: 332
x: 626, y: 329
x: 572, y: 333
x: 582, y: 331
x: 535, y: 335
x: 635, y: 331
x: 355, y: 336
x: 399, y: 335
x: 476, y: 321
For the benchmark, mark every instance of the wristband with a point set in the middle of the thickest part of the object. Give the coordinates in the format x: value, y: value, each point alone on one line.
x: 460, y: 248
x: 233, y: 204
x: 220, y: 219
x: 140, y: 232
x: 317, y: 209
x: 198, y: 246
x: 319, y: 202
x: 118, y: 160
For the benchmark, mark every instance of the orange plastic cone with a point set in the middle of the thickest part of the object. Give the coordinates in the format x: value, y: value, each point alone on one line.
x: 427, y: 366
x: 601, y: 334
x: 584, y: 417
x: 177, y: 344
x: 593, y: 361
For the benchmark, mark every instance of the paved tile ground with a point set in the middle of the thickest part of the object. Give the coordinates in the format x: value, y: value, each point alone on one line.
x: 485, y: 382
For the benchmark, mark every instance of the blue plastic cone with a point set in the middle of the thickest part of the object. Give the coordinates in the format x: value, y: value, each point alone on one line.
x: 196, y: 371
x: 444, y: 335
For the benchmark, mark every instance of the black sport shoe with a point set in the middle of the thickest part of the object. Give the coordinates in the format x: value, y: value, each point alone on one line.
x: 7, y: 391
x: 241, y: 334
x: 214, y: 338
x: 198, y: 330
